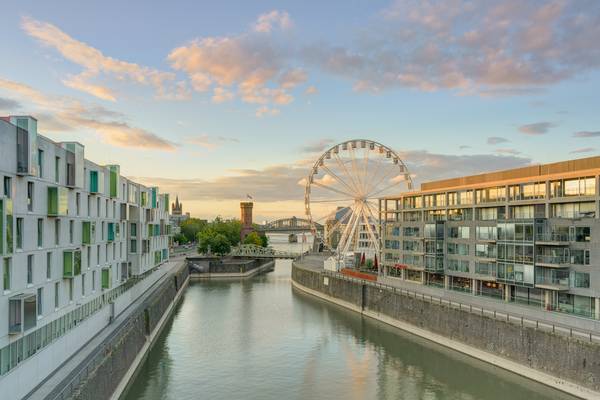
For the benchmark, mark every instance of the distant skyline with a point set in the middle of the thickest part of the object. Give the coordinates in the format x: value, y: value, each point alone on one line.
x: 211, y: 101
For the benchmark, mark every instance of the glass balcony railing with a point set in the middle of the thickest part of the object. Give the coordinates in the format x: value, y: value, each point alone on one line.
x: 552, y: 237
x: 552, y: 259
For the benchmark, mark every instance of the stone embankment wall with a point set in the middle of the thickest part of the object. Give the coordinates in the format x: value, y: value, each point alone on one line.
x: 116, y: 357
x: 564, y: 357
x: 226, y: 265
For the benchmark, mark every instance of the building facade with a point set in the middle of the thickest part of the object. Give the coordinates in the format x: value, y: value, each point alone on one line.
x: 71, y: 233
x: 528, y: 235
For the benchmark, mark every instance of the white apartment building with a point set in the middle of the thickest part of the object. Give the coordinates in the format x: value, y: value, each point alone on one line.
x: 74, y: 235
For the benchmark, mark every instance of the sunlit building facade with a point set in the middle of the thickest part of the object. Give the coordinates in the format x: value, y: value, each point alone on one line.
x: 529, y: 235
x: 73, y: 234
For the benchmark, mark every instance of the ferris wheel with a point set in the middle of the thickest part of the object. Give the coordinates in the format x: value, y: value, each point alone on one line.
x: 342, y: 192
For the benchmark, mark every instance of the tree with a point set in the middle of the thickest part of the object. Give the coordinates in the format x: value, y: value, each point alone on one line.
x: 190, y: 228
x: 220, y: 244
x: 253, y: 238
x: 180, y: 238
x: 264, y: 240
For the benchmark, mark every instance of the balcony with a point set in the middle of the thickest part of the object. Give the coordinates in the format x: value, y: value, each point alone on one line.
x: 552, y: 279
x: 552, y: 261
x: 552, y: 239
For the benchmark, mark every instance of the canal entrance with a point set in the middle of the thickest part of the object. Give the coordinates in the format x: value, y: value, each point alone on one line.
x: 260, y: 339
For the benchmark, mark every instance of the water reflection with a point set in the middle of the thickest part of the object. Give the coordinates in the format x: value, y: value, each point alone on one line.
x: 259, y: 339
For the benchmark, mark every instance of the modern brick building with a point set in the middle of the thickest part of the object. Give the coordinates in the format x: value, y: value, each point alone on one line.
x: 529, y: 235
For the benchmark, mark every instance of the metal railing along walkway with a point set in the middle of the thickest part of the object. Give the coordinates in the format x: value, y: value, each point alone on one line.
x: 510, y: 317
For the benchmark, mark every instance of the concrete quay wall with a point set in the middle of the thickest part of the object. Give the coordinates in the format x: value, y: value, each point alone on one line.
x: 115, y: 365
x: 566, y: 363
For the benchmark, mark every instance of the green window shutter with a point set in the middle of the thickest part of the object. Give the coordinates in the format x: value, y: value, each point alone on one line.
x: 52, y: 201
x: 93, y: 181
x: 68, y: 271
x: 8, y: 224
x: 111, y: 231
x: 114, y: 180
x: 154, y: 193
x: 77, y: 262
x: 106, y: 278
x: 86, y: 229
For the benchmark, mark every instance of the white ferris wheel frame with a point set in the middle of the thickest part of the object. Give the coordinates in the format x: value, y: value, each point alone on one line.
x: 362, y: 193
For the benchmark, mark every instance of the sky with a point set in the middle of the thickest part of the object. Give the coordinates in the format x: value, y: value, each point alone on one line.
x: 215, y: 100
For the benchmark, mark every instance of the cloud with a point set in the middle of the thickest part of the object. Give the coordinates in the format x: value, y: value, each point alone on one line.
x: 508, y: 151
x: 513, y: 47
x: 95, y: 64
x: 8, y: 104
x: 586, y: 134
x: 71, y: 114
x: 266, y: 111
x: 285, y: 182
x: 266, y: 22
x: 583, y: 150
x: 221, y: 95
x: 311, y: 90
x: 318, y: 146
x: 464, y: 147
x: 251, y: 66
x: 496, y: 140
x: 538, y: 128
x: 210, y: 142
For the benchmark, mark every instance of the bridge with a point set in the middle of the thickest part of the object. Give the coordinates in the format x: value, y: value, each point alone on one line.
x: 290, y: 225
x: 254, y: 251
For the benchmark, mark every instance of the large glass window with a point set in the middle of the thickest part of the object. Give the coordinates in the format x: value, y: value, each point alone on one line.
x: 486, y: 232
x: 580, y: 279
x: 459, y: 232
x: 574, y: 210
x: 490, y: 195
x: 573, y: 187
x: 527, y: 191
x: 7, y: 187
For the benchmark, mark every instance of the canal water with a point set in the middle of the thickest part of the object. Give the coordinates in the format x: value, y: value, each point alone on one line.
x: 261, y: 339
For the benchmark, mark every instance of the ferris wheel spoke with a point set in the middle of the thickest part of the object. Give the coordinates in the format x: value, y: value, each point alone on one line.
x: 366, y: 172
x: 332, y: 189
x: 337, y: 178
x: 383, y: 179
x: 385, y: 188
x: 356, y: 170
x: 348, y: 174
x: 374, y: 237
x: 373, y: 178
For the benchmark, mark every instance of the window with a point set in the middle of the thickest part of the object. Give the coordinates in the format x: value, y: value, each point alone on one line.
x: 56, y: 169
x: 19, y: 233
x: 582, y: 234
x: 458, y: 232
x: 574, y: 210
x: 49, y: 265
x: 29, y: 196
x: 6, y: 273
x: 30, y: 269
x: 57, y: 295
x: 71, y: 230
x: 580, y: 279
x: 83, y: 284
x: 466, y: 198
x: 40, y: 302
x: 41, y: 163
x: 98, y: 207
x: 573, y: 187
x: 40, y: 232
x: 490, y: 195
x: 7, y: 187
x: 93, y: 281
x: 71, y: 289
x: 98, y: 255
x: 527, y: 191
x: 78, y: 202
x: 57, y: 232
x: 89, y: 205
